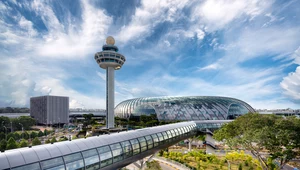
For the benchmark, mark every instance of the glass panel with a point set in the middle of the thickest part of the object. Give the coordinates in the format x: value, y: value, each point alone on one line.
x: 149, y: 142
x: 34, y: 166
x: 169, y: 134
x: 155, y: 139
x: 103, y: 149
x: 143, y: 143
x: 165, y: 135
x: 117, y: 152
x: 160, y: 137
x: 105, y: 156
x: 127, y: 149
x: 176, y: 132
x: 74, y: 161
x: 135, y: 146
x: 106, y: 159
x: 91, y: 159
x: 56, y: 163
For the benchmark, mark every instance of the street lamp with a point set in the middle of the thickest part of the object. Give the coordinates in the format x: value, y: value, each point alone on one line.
x: 22, y: 130
x: 5, y: 130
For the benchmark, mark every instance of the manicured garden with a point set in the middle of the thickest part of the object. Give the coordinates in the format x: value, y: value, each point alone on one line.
x: 198, y: 160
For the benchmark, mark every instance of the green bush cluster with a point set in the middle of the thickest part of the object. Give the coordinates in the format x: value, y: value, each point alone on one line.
x: 199, y: 160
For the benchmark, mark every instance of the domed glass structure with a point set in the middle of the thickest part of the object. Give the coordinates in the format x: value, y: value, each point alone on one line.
x: 184, y: 108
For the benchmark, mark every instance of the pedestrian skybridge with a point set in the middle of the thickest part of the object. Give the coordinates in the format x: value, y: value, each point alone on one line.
x: 110, y: 151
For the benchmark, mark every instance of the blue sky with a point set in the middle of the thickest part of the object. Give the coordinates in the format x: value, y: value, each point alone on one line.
x: 246, y: 49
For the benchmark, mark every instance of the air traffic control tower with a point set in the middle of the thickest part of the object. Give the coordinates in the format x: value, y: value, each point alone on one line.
x: 111, y: 60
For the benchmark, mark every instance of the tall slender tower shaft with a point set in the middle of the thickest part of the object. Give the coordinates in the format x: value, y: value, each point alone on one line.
x: 111, y: 60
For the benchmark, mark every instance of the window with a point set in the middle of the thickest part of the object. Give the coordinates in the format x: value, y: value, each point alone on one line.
x: 149, y: 141
x: 143, y: 143
x: 173, y: 133
x: 165, y: 136
x: 176, y: 132
x: 34, y: 166
x: 160, y: 137
x: 74, y: 161
x: 155, y: 139
x: 127, y: 149
x: 91, y: 159
x: 169, y: 134
x: 55, y: 163
x: 105, y: 156
x: 117, y: 152
x: 135, y: 146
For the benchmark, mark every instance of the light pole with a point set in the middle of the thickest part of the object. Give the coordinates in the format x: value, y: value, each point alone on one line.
x: 5, y: 131
x: 22, y: 130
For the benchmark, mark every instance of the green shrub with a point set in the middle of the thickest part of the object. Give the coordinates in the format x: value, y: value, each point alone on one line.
x: 246, y: 163
x: 240, y: 167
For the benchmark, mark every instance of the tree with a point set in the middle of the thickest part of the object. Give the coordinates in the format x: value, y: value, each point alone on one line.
x: 153, y: 165
x: 11, y: 144
x: 3, y: 144
x: 53, y: 140
x: 23, y: 143
x: 36, y: 141
x: 2, y: 135
x: 40, y: 134
x: 255, y: 132
x: 17, y: 136
x: 47, y: 141
x: 25, y: 135
x: 46, y: 132
x: 33, y: 134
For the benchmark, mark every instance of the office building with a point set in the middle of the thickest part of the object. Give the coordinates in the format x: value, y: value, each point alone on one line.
x: 50, y: 109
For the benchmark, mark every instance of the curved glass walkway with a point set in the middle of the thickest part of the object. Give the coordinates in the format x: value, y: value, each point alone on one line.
x: 103, y: 152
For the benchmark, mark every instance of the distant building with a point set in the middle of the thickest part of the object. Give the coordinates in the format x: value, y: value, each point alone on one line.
x: 50, y: 109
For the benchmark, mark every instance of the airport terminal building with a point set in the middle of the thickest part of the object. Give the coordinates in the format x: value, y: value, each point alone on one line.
x: 184, y: 108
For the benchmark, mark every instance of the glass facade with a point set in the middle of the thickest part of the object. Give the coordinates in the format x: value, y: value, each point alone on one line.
x: 184, y: 108
x: 99, y: 157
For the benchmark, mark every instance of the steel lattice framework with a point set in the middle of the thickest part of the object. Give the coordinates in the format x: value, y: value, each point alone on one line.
x: 184, y: 108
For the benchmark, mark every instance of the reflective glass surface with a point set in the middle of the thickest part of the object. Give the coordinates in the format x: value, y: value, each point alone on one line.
x: 74, y: 161
x: 127, y: 149
x: 91, y: 159
x: 55, y: 163
x: 184, y: 108
x: 143, y: 143
x: 34, y: 166
x: 117, y: 152
x: 105, y: 156
x: 135, y: 146
x: 149, y: 141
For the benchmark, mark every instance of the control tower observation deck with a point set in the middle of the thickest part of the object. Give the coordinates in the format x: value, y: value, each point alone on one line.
x: 111, y: 60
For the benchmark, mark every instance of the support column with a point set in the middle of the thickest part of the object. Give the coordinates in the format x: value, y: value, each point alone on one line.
x: 110, y: 97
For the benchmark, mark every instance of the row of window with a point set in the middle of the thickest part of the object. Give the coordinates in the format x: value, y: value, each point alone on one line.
x: 110, y: 60
x: 111, y: 55
x: 103, y: 156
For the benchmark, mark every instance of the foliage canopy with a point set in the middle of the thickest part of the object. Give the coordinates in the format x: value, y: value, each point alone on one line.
x: 278, y: 136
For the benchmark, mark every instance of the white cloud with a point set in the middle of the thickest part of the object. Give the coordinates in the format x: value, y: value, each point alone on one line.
x: 214, y: 66
x: 291, y: 85
x: 149, y: 15
x: 216, y: 14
